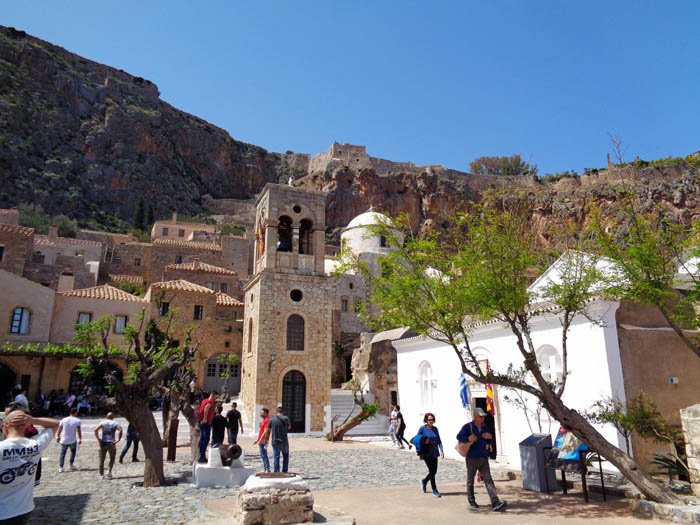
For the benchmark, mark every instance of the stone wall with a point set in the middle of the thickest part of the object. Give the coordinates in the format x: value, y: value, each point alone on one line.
x: 642, y: 331
x: 39, y: 300
x: 16, y: 243
x: 690, y: 418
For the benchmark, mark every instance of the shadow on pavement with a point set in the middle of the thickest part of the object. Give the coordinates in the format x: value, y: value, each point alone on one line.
x: 59, y: 509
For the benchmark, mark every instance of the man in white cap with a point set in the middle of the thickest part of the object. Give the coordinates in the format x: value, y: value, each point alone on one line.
x: 477, y: 433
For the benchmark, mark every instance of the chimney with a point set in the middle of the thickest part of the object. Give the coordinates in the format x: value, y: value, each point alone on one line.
x: 53, y: 231
x: 195, y: 263
x: 174, y: 216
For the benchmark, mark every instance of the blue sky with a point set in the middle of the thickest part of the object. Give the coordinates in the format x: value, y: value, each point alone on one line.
x: 430, y: 82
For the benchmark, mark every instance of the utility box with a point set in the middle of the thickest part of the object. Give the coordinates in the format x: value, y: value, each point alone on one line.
x: 532, y: 463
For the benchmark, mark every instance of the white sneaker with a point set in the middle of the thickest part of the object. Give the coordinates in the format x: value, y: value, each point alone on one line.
x: 60, y: 469
x: 109, y: 475
x: 73, y: 467
x: 101, y: 476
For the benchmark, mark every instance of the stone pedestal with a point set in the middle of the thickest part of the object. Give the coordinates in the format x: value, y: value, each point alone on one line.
x: 690, y: 419
x: 268, y: 498
x: 214, y: 474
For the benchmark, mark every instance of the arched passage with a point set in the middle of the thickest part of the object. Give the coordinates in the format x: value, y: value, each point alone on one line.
x: 216, y: 376
x: 305, y: 237
x: 294, y: 399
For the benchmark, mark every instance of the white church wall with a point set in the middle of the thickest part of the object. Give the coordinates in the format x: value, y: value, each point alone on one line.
x: 594, y: 367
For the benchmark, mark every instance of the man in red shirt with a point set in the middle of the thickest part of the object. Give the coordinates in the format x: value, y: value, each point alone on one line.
x: 263, y: 438
x: 206, y: 413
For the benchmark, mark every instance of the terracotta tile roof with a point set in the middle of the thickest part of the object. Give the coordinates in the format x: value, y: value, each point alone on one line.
x: 66, y: 240
x: 125, y: 278
x: 188, y: 244
x: 197, y: 266
x: 223, y: 299
x: 200, y: 225
x: 181, y: 285
x: 11, y: 228
x: 106, y: 292
x: 43, y: 240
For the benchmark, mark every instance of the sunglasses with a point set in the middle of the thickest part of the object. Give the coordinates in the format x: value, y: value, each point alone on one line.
x: 430, y: 419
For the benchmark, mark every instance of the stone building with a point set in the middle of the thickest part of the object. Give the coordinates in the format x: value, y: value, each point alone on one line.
x: 90, y: 304
x: 15, y: 244
x: 288, y: 323
x: 217, y: 320
x: 213, y: 277
x: 174, y: 229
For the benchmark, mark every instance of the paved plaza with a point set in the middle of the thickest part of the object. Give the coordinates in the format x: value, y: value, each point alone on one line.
x: 375, y: 484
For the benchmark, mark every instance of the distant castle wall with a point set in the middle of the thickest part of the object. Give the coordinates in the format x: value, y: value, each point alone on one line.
x: 356, y: 157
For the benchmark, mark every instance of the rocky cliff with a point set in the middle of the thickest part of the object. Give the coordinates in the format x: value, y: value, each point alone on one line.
x: 87, y: 140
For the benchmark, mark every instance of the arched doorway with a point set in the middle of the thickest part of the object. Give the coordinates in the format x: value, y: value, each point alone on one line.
x: 294, y: 399
x: 216, y: 376
x: 97, y: 382
x: 8, y: 379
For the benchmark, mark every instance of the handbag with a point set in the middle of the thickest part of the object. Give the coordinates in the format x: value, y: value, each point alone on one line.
x: 463, y: 448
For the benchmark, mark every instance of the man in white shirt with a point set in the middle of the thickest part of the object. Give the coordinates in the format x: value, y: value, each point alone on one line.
x: 108, y: 442
x: 19, y: 457
x: 22, y: 401
x: 69, y: 436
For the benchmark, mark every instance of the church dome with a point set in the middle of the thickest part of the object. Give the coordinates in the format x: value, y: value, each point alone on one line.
x: 368, y: 218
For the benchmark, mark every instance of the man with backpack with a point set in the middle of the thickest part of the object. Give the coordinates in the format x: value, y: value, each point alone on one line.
x: 477, y: 433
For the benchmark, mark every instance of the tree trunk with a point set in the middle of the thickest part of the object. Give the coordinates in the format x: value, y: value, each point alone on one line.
x: 173, y: 424
x: 351, y: 423
x: 582, y: 429
x: 135, y: 408
x: 165, y: 415
x: 188, y: 411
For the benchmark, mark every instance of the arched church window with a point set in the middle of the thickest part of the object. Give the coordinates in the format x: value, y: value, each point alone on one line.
x: 295, y: 332
x: 250, y: 335
x: 550, y: 363
x: 284, y: 234
x: 425, y: 384
x: 305, y: 237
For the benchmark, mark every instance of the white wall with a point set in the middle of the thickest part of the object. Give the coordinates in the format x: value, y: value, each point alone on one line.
x: 594, y: 372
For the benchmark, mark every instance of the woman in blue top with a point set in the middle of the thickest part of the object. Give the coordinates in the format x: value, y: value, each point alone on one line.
x: 430, y: 451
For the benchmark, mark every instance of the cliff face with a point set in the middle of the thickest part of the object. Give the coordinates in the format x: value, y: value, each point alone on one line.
x: 87, y: 140
x: 429, y: 198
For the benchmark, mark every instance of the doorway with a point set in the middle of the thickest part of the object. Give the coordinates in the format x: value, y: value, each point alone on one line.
x: 8, y: 380
x: 217, y: 376
x: 490, y: 421
x: 294, y: 399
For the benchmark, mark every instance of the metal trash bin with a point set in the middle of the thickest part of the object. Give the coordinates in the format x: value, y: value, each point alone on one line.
x: 532, y: 463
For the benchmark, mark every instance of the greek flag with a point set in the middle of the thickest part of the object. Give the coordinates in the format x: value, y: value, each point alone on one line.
x: 463, y: 393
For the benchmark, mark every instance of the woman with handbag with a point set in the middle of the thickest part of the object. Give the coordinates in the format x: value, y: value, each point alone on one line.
x: 431, y: 448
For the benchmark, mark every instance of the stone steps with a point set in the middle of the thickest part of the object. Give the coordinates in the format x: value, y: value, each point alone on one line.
x: 342, y: 403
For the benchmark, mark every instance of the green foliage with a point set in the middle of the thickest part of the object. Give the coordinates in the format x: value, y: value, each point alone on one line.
x: 289, y: 152
x: 132, y: 288
x: 149, y: 215
x: 140, y: 215
x: 140, y: 235
x: 227, y: 360
x: 689, y: 160
x: 233, y: 229
x: 199, y: 218
x: 613, y: 412
x: 370, y: 410
x: 549, y: 177
x: 647, y: 247
x: 33, y: 216
x: 671, y: 466
x: 66, y: 227
x: 507, y: 165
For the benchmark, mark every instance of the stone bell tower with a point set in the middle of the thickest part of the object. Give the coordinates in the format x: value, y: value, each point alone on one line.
x: 287, y: 334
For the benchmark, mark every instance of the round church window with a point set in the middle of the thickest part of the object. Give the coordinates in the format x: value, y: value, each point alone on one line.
x: 297, y: 208
x: 296, y: 295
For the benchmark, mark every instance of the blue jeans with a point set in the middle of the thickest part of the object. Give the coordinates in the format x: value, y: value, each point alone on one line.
x: 204, y: 435
x: 263, y: 455
x: 129, y: 441
x: 73, y: 447
x: 284, y: 449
